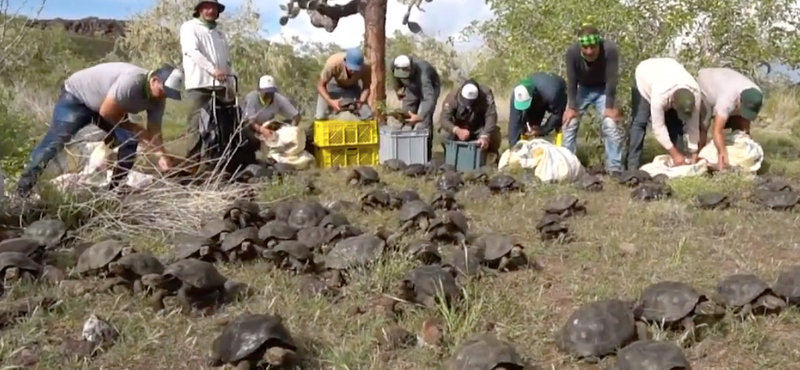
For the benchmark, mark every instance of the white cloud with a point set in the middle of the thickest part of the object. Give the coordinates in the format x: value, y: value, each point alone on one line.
x: 441, y: 18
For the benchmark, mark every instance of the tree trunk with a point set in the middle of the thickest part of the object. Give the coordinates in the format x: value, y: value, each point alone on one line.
x: 375, y: 45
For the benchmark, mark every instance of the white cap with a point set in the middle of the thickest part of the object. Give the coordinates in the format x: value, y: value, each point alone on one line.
x: 469, y: 92
x: 402, y: 61
x: 522, y: 98
x: 267, y: 84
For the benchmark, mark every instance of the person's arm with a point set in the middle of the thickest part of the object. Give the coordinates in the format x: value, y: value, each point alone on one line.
x: 190, y: 46
x: 366, y: 81
x: 324, y: 77
x: 612, y: 76
x: 572, y: 77
x: 251, y: 105
x: 429, y: 97
x: 287, y: 110
x: 490, y: 117
x: 693, y: 128
x: 659, y: 125
x: 155, y: 117
x: 721, y: 115
x: 515, y: 117
x: 112, y: 110
x: 397, y: 86
x: 447, y: 116
x: 557, y: 104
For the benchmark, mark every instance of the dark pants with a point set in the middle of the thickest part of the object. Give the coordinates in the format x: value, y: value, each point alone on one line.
x: 69, y: 116
x: 640, y: 109
x: 495, y: 137
x: 411, y: 104
x: 517, y: 122
x: 198, y: 98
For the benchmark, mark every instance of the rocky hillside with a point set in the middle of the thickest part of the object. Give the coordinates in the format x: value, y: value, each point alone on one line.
x: 88, y: 27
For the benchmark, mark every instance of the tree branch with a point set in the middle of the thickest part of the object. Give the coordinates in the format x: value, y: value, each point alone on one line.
x: 323, y: 15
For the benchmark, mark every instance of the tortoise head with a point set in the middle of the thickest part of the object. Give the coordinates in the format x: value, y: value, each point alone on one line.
x: 516, y: 251
x: 404, y: 290
x: 234, y: 214
x: 222, y: 235
x: 13, y: 273
x: 709, y: 308
x: 116, y: 268
x: 127, y: 251
x: 353, y: 177
x: 205, y: 250
x: 277, y: 356
x: 154, y: 280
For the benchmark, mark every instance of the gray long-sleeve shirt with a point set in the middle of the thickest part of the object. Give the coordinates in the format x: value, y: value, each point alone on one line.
x: 604, y: 71
x: 423, y: 84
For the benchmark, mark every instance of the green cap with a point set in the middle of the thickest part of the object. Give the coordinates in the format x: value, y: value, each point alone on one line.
x: 750, y: 103
x: 683, y: 101
x: 523, y: 96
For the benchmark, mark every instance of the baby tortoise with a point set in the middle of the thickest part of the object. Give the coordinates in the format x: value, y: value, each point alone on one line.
x: 363, y: 176
x: 747, y: 293
x: 192, y: 246
x: 252, y: 341
x: 314, y: 237
x: 192, y: 281
x: 406, y: 196
x: 362, y: 250
x: 424, y: 251
x: 413, y: 215
x: 484, y: 351
x: 49, y: 233
x: 588, y: 182
x: 777, y: 200
x: 650, y: 191
x: 243, y: 245
x: 377, y: 199
x: 275, y: 231
x: 633, y: 178
x: 294, y: 256
x: 451, y: 181
x: 415, y: 170
x: 95, y: 259
x: 502, y: 252
x: 566, y: 205
x: 552, y: 226
x: 429, y: 285
x: 306, y: 213
x: 333, y: 220
x: 33, y: 248
x: 128, y: 271
x: 217, y: 230
x: 771, y: 184
x: 243, y: 213
x: 479, y: 176
x: 17, y: 266
x: 651, y: 355
x: 466, y: 262
x: 712, y: 201
x: 676, y: 304
x: 394, y: 165
x: 788, y: 285
x: 502, y: 183
x: 444, y: 201
x: 452, y: 226
x: 599, y: 328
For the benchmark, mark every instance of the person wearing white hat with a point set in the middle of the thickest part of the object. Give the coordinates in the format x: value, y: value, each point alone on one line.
x: 105, y: 95
x: 417, y: 84
x: 263, y: 104
x: 532, y: 98
x: 469, y: 113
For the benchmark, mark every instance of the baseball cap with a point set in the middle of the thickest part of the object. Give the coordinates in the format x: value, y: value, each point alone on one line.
x: 751, y: 100
x: 684, y: 103
x: 266, y: 84
x: 172, y: 79
x: 469, y: 91
x: 522, y: 97
x: 402, y: 66
x: 354, y: 59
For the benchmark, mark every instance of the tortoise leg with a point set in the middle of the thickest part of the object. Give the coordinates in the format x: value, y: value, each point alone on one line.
x: 591, y: 359
x: 429, y: 236
x: 689, y: 330
x: 641, y: 331
x: 392, y: 239
x: 460, y: 238
x: 183, y: 298
x: 259, y: 250
x: 428, y: 301
x: 233, y: 257
x: 746, y: 310
x: 138, y: 288
x: 505, y: 261
x: 109, y: 284
x: 157, y: 301
x: 218, y: 256
x: 423, y: 223
x: 246, y: 365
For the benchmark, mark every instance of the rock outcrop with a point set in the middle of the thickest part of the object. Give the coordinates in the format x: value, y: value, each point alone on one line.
x: 90, y: 27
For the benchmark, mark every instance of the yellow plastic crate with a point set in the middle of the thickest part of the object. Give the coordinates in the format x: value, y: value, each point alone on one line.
x: 343, y: 133
x: 362, y: 155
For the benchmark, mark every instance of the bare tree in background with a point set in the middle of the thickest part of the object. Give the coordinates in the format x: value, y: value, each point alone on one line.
x: 326, y: 16
x: 13, y: 28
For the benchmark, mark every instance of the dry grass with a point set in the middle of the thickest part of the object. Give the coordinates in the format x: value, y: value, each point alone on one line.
x: 671, y: 241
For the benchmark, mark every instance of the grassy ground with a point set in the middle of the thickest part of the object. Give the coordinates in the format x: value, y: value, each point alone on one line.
x: 621, y: 246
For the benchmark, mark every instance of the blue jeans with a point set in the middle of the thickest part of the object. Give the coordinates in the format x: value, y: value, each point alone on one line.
x: 612, y: 133
x: 69, y: 116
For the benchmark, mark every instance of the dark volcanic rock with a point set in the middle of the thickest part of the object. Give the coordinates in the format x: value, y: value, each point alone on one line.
x: 91, y: 26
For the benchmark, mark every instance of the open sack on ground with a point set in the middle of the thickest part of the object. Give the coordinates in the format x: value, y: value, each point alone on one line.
x: 550, y: 163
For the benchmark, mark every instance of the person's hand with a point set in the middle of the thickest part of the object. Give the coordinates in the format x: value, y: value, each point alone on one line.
x: 533, y: 131
x: 164, y: 163
x: 612, y: 113
x: 678, y: 159
x: 722, y: 160
x: 144, y: 136
x: 462, y: 134
x: 569, y: 115
x: 335, y: 105
x: 220, y: 75
x: 413, y: 118
x: 483, y: 142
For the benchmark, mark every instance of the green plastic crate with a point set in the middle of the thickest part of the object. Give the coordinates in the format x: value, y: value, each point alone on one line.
x: 464, y: 155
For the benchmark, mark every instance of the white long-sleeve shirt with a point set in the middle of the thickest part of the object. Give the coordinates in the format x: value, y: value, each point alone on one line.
x: 204, y: 50
x: 657, y: 79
